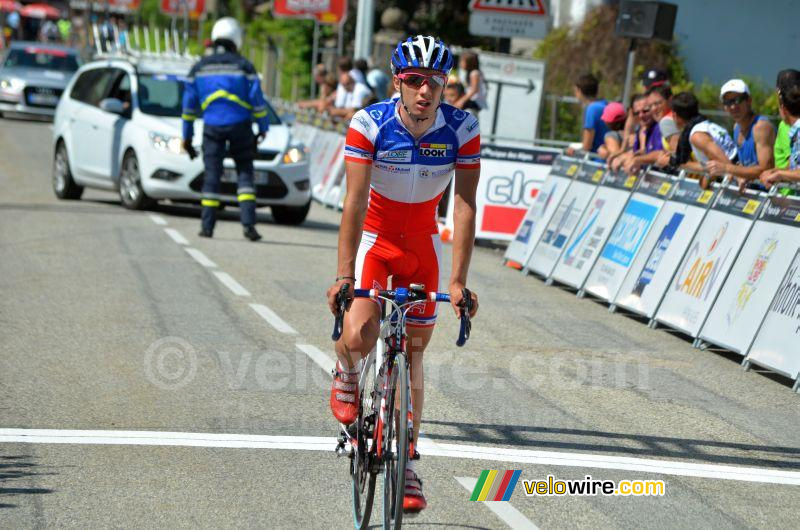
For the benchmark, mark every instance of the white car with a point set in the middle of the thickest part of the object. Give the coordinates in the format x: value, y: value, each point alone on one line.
x: 117, y: 127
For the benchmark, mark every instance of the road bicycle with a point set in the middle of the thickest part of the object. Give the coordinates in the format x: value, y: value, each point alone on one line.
x: 381, y: 439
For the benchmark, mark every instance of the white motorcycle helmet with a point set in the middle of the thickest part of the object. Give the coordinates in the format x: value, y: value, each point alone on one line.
x: 228, y: 28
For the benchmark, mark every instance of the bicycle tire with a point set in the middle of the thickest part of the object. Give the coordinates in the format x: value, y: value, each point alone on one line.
x: 362, y: 478
x: 394, y: 479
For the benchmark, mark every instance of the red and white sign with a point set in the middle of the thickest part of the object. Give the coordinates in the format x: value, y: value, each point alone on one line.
x: 325, y: 11
x: 180, y: 7
x: 503, y: 18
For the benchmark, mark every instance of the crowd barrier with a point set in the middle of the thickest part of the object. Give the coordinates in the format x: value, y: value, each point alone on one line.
x: 719, y: 265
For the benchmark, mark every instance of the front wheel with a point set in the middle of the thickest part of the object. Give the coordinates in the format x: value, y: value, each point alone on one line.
x: 395, y: 450
x: 362, y: 474
x: 131, y: 193
x: 290, y: 215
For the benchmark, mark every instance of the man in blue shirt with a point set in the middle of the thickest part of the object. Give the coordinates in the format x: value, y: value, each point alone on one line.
x: 224, y: 89
x: 594, y: 128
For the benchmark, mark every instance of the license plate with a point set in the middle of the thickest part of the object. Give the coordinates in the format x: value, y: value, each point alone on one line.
x: 42, y: 99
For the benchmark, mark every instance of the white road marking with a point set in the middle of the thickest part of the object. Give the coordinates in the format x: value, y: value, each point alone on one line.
x: 200, y: 258
x: 510, y: 515
x: 231, y: 284
x: 475, y: 452
x: 176, y: 236
x: 157, y: 219
x: 273, y: 319
x: 322, y: 359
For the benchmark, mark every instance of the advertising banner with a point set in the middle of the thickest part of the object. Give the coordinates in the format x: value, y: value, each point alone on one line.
x: 653, y: 267
x: 626, y: 238
x: 509, y: 183
x: 776, y: 343
x: 540, y: 212
x: 708, y: 260
x: 565, y: 218
x: 328, y: 147
x: 194, y: 8
x: 755, y: 276
x: 594, y: 228
x: 325, y: 11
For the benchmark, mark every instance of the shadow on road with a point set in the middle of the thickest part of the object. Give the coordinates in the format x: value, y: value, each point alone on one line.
x: 535, y: 438
x: 15, y: 468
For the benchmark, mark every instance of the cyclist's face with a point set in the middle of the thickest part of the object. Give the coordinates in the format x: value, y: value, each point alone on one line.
x: 421, y: 100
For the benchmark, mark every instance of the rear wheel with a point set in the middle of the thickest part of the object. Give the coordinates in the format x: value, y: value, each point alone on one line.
x: 131, y: 193
x: 63, y: 185
x: 395, y: 445
x: 290, y: 215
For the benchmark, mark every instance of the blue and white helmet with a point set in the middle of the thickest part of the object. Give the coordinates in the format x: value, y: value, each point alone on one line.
x: 422, y: 52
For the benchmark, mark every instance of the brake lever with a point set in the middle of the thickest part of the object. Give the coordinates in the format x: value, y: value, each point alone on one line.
x: 466, y: 324
x: 341, y: 303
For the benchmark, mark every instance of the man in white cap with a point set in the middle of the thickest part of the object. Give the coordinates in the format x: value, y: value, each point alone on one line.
x: 754, y: 136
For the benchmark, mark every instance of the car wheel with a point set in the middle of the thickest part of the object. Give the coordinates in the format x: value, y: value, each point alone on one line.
x: 131, y: 193
x: 63, y: 185
x: 290, y: 215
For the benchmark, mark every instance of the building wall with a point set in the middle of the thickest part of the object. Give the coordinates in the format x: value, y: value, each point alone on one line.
x: 721, y: 39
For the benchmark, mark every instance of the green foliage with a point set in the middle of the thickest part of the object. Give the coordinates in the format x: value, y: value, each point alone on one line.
x: 294, y: 38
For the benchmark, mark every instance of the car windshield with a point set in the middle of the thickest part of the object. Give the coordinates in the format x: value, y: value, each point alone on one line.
x: 44, y: 58
x: 162, y: 95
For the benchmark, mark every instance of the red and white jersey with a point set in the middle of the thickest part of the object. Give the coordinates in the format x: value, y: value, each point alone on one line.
x: 410, y: 175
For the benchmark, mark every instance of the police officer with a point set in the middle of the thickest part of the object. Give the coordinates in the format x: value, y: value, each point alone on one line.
x: 225, y: 89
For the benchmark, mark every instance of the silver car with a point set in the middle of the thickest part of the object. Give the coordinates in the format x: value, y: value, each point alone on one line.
x: 33, y: 76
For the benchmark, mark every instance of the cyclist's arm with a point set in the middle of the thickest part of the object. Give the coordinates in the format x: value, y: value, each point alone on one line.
x: 464, y: 209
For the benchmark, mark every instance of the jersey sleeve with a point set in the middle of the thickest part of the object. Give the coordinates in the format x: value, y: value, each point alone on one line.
x: 359, y: 145
x: 469, y: 144
x: 191, y: 106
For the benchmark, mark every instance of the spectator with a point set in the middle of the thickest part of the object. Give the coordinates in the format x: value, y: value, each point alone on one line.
x: 754, y: 136
x: 658, y: 98
x: 65, y: 29
x: 786, y: 79
x: 351, y: 94
x: 594, y: 130
x: 789, y: 99
x: 699, y: 137
x: 453, y: 92
x: 655, y: 77
x: 13, y: 22
x: 633, y: 123
x: 320, y: 75
x: 647, y: 144
x: 49, y: 32
x: 469, y: 73
x: 362, y: 66
x: 379, y: 82
x: 613, y: 116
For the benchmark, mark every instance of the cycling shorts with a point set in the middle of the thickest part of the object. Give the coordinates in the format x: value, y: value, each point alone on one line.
x: 407, y: 259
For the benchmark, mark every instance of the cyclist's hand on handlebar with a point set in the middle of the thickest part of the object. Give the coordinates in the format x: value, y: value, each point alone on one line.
x: 333, y: 292
x: 457, y: 299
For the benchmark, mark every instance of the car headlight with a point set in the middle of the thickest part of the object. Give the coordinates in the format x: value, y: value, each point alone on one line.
x: 12, y: 84
x: 293, y: 155
x: 169, y: 144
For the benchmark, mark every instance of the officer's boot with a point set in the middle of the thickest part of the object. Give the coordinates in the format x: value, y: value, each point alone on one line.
x: 208, y: 220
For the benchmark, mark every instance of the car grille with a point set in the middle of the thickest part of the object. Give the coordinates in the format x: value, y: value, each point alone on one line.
x: 273, y: 188
x: 32, y: 93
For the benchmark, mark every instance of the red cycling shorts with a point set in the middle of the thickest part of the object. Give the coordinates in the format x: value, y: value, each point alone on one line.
x: 407, y: 259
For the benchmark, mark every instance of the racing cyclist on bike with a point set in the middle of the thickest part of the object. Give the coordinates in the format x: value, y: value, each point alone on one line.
x: 399, y: 158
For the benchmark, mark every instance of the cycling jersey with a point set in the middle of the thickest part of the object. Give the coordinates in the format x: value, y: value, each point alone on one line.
x: 408, y: 178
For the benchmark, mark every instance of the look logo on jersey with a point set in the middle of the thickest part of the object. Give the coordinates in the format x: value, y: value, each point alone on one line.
x: 435, y: 150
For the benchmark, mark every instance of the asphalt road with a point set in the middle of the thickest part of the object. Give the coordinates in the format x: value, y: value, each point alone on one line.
x: 110, y: 322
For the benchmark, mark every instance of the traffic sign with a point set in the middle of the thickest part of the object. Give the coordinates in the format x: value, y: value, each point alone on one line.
x: 194, y: 8
x: 508, y: 18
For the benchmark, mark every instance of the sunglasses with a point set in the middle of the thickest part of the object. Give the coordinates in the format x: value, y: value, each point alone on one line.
x: 729, y: 102
x: 643, y: 111
x: 417, y: 80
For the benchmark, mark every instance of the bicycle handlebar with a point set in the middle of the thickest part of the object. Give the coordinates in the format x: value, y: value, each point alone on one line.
x: 402, y: 295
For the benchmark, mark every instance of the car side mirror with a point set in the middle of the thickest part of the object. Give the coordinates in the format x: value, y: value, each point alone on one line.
x: 113, y: 105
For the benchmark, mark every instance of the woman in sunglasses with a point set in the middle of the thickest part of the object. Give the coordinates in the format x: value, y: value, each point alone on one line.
x: 400, y: 155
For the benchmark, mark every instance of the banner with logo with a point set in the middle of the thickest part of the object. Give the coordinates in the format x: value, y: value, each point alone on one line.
x: 755, y: 276
x: 542, y: 209
x: 628, y: 235
x: 509, y: 183
x: 663, y: 249
x: 193, y: 8
x: 565, y: 218
x: 776, y: 343
x: 328, y: 148
x: 708, y: 260
x: 594, y: 229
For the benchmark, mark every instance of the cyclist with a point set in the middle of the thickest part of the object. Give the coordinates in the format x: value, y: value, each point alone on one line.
x: 399, y: 158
